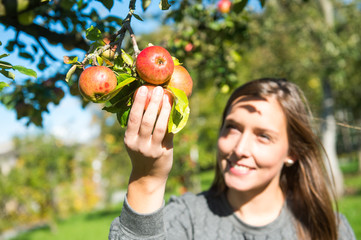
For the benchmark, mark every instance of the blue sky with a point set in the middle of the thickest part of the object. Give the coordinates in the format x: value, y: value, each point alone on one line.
x: 68, y: 120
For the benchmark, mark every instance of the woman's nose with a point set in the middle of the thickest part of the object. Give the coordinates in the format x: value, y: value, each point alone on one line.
x: 243, y: 146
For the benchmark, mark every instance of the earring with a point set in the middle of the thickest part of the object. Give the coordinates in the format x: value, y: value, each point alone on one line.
x: 289, y: 162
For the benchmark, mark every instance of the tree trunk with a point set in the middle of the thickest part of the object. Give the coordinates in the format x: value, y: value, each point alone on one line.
x: 329, y: 128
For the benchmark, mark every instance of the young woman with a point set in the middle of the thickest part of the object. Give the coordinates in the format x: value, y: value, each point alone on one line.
x: 270, y: 181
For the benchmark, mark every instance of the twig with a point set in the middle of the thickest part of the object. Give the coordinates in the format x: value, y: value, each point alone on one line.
x: 121, y: 33
x: 45, y: 50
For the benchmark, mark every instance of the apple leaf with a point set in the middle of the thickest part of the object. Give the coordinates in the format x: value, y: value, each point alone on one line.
x: 5, y: 65
x: 93, y: 33
x: 112, y: 94
x: 26, y: 71
x: 107, y: 3
x: 70, y: 60
x: 164, y: 5
x: 180, y: 111
x: 145, y: 4
x: 7, y: 74
x: 238, y: 6
x: 127, y: 58
x: 2, y: 85
x: 70, y: 73
x: 4, y: 55
x: 137, y: 17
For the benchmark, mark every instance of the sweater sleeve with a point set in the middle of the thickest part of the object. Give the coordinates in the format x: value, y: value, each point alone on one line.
x: 169, y: 222
x: 345, y: 231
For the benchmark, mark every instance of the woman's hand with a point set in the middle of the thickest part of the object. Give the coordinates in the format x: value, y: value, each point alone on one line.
x: 150, y: 148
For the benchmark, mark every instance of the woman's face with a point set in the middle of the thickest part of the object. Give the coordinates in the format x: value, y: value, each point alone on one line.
x: 253, y: 144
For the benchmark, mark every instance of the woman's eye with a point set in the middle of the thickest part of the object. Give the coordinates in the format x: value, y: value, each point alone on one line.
x: 265, y: 137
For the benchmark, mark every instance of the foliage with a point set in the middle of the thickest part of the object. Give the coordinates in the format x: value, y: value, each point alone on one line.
x: 49, y: 181
x: 97, y: 222
x: 6, y: 66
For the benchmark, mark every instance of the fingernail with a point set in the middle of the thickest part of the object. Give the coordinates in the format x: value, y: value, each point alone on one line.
x: 143, y: 90
x: 158, y: 91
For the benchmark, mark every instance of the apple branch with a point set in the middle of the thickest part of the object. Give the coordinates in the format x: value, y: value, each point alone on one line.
x: 113, y: 39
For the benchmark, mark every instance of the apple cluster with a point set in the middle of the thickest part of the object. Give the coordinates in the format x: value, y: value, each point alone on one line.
x: 154, y: 65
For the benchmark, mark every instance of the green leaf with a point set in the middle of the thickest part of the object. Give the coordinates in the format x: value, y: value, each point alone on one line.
x: 238, y: 6
x: 26, y: 71
x: 137, y: 17
x: 4, y: 55
x: 93, y: 33
x: 180, y: 111
x: 26, y: 55
x: 100, y: 60
x: 164, y: 5
x: 70, y: 73
x: 3, y: 85
x: 263, y: 3
x: 5, y: 65
x: 145, y: 4
x: 70, y: 60
x: 112, y: 94
x: 8, y: 74
x: 127, y: 58
x: 122, y: 116
x: 107, y: 3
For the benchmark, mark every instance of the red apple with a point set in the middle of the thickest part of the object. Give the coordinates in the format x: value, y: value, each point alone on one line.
x: 224, y: 6
x: 97, y: 81
x: 150, y: 92
x: 181, y: 79
x: 188, y: 47
x: 155, y: 65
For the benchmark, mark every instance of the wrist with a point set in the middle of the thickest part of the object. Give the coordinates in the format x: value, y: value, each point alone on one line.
x: 146, y: 194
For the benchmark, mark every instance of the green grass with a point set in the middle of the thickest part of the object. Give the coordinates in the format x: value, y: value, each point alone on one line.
x: 95, y: 225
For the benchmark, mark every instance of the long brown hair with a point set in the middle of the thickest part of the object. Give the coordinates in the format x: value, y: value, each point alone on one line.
x: 305, y: 182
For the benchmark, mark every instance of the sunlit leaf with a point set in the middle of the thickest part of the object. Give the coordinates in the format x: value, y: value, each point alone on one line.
x: 145, y: 4
x: 93, y: 33
x: 70, y: 73
x: 180, y: 111
x: 5, y: 65
x: 26, y: 71
x: 127, y: 58
x: 70, y: 60
x: 3, y: 85
x: 164, y: 5
x: 8, y: 74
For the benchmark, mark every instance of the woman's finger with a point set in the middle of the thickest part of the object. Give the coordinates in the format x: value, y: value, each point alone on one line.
x: 162, y: 122
x: 150, y: 115
x: 136, y: 113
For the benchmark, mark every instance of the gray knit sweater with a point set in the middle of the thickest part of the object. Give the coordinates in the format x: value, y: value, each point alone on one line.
x: 204, y: 216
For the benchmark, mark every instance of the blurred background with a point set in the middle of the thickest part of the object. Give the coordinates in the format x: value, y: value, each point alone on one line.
x: 63, y: 166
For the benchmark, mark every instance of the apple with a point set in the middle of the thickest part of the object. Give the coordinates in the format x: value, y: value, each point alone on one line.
x: 181, y: 79
x: 149, y: 95
x: 154, y: 65
x: 188, y: 47
x: 97, y: 81
x: 224, y: 6
x: 110, y: 52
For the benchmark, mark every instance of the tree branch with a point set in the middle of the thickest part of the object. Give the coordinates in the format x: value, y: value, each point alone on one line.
x: 75, y: 40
